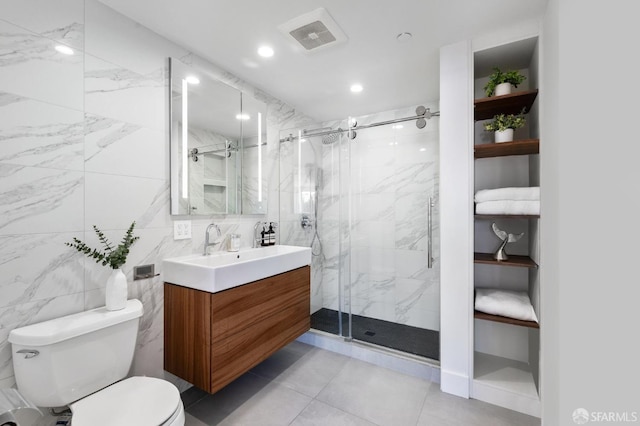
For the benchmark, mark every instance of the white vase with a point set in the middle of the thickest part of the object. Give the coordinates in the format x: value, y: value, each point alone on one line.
x: 116, y: 291
x: 503, y: 136
x: 503, y: 89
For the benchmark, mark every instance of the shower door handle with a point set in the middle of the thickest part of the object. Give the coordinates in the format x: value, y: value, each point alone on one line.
x: 429, y: 234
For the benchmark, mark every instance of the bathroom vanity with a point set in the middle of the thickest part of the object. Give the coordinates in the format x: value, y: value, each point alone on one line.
x: 213, y: 337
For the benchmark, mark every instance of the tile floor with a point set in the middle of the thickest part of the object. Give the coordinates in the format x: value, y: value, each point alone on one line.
x: 305, y: 385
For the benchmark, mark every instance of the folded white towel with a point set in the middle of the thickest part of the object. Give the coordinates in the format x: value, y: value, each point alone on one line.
x: 507, y: 303
x: 524, y: 193
x: 509, y: 207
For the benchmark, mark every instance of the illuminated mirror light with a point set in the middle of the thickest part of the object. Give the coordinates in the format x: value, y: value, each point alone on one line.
x: 185, y: 139
x: 265, y: 51
x: 192, y: 79
x: 65, y: 50
x: 356, y: 88
x: 242, y: 117
x: 259, y: 156
x: 300, y: 170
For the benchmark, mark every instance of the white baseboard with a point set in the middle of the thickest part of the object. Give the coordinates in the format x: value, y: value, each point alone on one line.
x: 454, y: 383
x: 505, y: 398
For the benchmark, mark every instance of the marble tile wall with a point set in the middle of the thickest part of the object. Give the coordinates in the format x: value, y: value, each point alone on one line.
x: 84, y: 141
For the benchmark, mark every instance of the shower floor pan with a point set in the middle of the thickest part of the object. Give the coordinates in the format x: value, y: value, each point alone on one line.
x: 405, y: 338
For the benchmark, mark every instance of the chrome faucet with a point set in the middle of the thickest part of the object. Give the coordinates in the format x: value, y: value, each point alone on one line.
x: 207, y: 244
x: 257, y: 239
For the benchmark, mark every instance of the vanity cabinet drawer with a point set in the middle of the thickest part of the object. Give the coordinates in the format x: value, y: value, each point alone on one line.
x: 243, y: 307
x: 233, y: 356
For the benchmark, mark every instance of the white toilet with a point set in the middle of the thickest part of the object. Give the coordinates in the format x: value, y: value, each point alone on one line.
x: 80, y: 360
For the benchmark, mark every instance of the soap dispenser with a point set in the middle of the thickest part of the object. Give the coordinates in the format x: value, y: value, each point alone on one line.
x: 264, y: 237
x: 272, y: 235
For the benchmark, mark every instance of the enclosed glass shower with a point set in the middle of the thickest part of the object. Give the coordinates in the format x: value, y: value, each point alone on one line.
x: 363, y: 194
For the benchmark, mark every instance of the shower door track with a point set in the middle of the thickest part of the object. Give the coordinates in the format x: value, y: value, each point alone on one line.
x: 426, y: 115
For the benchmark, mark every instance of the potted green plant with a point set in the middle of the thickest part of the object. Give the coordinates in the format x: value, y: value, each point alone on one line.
x: 115, y: 257
x: 500, y: 82
x: 503, y: 126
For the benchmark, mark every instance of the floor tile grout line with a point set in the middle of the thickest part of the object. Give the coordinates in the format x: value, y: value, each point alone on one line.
x: 301, y: 411
x: 338, y: 371
x: 424, y: 401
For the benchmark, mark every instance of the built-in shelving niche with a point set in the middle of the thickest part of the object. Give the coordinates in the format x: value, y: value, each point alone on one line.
x: 506, y: 351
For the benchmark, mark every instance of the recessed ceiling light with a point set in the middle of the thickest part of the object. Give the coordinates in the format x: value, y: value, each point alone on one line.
x: 242, y: 116
x: 192, y: 79
x: 356, y: 88
x: 403, y: 37
x: 265, y: 51
x: 66, y: 50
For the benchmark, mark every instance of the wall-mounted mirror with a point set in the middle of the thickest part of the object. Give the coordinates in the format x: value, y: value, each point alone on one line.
x: 218, y: 142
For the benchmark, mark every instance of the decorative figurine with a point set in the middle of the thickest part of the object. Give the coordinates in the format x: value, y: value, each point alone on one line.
x: 500, y: 254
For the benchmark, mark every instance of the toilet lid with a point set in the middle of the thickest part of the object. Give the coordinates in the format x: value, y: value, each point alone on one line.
x: 136, y: 401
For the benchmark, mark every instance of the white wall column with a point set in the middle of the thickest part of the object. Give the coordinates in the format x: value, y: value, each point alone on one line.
x: 456, y: 212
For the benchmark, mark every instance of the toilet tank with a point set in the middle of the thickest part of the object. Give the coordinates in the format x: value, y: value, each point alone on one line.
x: 76, y: 354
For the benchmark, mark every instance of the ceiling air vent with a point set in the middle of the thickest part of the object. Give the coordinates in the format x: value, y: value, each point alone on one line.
x: 313, y: 31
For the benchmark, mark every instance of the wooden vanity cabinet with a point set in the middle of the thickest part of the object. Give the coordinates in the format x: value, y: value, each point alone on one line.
x: 210, y: 339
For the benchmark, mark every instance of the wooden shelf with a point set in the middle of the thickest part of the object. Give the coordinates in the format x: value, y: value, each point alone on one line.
x: 505, y: 320
x: 514, y: 260
x: 507, y: 104
x: 521, y: 147
x: 506, y: 216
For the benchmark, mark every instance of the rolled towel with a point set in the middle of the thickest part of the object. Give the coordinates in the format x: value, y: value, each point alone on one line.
x: 524, y: 193
x: 506, y: 303
x: 509, y: 207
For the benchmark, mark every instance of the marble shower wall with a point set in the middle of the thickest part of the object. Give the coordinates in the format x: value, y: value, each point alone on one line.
x: 84, y: 141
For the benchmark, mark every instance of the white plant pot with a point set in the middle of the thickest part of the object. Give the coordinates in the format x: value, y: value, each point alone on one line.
x: 503, y: 136
x: 503, y: 89
x: 116, y: 291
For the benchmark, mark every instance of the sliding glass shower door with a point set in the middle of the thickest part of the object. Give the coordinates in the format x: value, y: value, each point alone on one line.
x: 393, y: 288
x: 371, y: 218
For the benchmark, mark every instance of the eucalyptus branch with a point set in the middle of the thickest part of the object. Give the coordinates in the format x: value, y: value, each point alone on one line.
x: 105, y: 242
x: 114, y: 257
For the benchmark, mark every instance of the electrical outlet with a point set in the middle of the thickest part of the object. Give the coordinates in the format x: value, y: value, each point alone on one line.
x: 181, y: 229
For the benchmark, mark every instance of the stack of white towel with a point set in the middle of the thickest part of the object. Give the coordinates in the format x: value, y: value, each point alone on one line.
x: 508, y: 201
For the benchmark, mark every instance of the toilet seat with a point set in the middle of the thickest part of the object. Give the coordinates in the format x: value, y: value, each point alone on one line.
x: 136, y: 401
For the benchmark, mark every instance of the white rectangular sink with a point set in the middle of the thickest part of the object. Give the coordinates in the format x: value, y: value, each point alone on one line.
x: 224, y: 270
